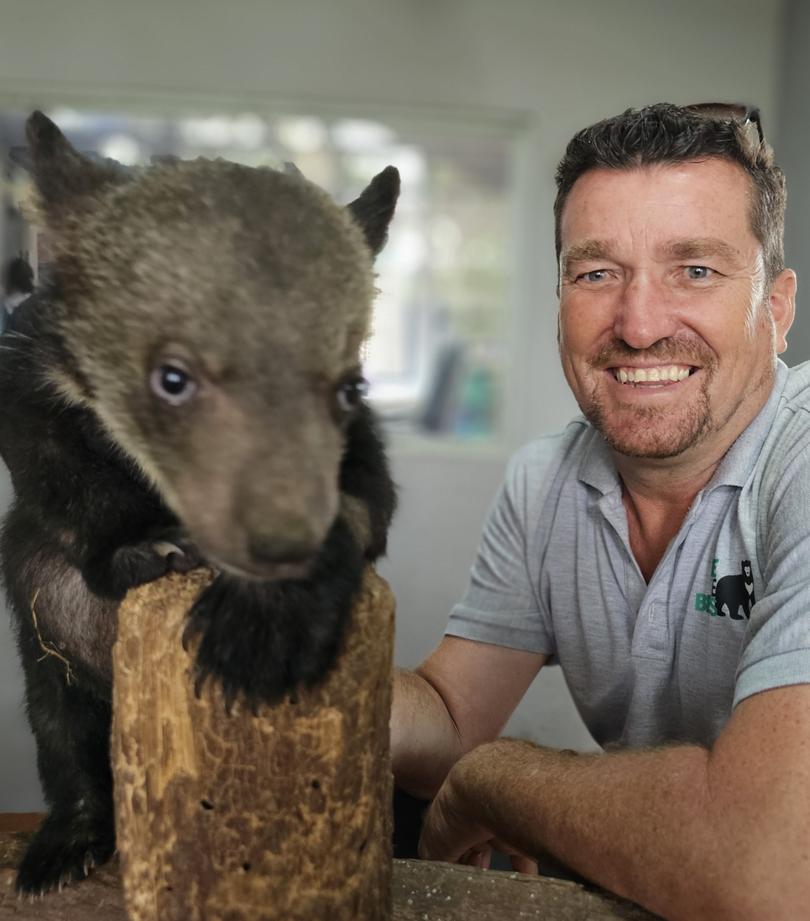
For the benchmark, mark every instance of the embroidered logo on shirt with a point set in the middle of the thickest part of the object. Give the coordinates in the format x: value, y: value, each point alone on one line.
x: 732, y: 595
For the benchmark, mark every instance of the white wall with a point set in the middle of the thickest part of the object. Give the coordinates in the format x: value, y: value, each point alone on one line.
x: 793, y: 144
x: 19, y: 786
x: 564, y: 63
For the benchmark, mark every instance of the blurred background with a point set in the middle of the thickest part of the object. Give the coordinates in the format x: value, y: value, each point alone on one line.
x: 474, y: 102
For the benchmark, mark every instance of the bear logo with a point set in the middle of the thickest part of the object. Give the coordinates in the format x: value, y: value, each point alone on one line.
x: 734, y: 594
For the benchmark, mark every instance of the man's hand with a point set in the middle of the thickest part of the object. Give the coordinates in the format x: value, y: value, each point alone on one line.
x: 457, y: 827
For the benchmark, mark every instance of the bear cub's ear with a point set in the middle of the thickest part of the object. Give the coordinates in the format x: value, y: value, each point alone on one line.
x: 374, y: 208
x: 64, y: 178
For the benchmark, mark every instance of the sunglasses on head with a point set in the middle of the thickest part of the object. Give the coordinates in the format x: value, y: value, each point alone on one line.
x: 744, y: 115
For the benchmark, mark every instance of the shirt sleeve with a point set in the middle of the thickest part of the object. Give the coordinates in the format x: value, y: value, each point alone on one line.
x: 501, y: 605
x: 777, y: 650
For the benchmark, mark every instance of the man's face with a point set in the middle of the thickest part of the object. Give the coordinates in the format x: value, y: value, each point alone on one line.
x: 667, y: 332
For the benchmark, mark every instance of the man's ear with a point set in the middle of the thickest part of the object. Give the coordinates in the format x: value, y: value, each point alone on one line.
x: 374, y: 208
x: 782, y: 303
x: 64, y: 178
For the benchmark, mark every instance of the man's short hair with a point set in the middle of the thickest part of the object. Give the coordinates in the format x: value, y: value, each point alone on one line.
x: 668, y: 134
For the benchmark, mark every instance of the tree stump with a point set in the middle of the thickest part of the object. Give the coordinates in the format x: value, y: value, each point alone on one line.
x: 280, y: 816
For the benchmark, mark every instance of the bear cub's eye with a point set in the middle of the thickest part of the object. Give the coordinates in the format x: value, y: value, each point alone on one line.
x: 351, y: 392
x: 172, y: 383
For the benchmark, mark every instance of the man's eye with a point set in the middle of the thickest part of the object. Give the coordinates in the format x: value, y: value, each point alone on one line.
x: 596, y: 275
x: 698, y: 272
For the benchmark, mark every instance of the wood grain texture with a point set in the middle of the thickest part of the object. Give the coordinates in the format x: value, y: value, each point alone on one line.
x: 428, y: 891
x: 279, y: 816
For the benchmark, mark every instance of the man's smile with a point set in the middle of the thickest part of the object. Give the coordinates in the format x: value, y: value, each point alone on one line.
x: 654, y: 374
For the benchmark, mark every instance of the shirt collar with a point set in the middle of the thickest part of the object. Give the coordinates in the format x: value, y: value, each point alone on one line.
x: 738, y: 462
x: 598, y: 469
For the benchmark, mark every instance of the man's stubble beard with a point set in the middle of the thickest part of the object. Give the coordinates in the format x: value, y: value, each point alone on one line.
x: 651, y: 432
x: 655, y: 433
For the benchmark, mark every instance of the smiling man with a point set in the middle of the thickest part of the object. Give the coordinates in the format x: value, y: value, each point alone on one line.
x: 658, y: 550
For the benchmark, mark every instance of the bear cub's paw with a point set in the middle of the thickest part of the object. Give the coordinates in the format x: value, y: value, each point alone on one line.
x: 262, y: 641
x: 145, y: 561
x: 65, y: 849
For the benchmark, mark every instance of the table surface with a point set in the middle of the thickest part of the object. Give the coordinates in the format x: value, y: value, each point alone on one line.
x: 20, y: 821
x: 422, y: 891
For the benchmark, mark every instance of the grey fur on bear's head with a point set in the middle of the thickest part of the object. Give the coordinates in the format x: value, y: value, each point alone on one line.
x: 252, y: 279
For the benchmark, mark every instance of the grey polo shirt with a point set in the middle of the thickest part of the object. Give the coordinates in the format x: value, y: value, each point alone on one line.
x: 725, y: 615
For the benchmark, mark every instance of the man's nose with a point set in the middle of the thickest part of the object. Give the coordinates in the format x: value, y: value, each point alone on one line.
x: 643, y: 313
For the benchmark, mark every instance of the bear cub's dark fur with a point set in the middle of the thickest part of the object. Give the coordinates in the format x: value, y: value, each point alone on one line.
x: 186, y: 390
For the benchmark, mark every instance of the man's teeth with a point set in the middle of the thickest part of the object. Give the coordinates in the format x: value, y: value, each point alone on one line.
x: 641, y: 375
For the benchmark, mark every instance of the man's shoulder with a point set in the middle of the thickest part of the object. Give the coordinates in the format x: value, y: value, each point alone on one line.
x: 790, y: 428
x: 785, y: 452
x: 545, y: 473
x: 796, y: 393
x: 542, y: 457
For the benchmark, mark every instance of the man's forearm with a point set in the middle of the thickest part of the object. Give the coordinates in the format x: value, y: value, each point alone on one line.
x: 645, y: 825
x: 609, y: 817
x: 424, y: 740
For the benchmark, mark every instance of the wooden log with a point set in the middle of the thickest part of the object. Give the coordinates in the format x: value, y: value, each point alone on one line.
x: 280, y: 816
x: 421, y: 890
x: 428, y: 891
